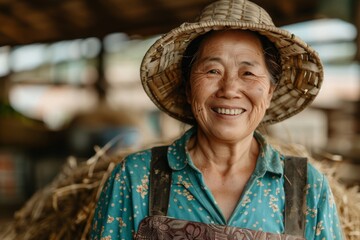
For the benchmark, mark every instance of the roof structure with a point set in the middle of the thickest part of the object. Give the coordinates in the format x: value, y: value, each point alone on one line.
x: 35, y: 21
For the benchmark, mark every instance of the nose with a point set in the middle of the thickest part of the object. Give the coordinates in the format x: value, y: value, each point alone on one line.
x: 229, y: 87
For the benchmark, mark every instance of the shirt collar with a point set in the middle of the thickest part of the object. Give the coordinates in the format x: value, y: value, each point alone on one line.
x: 178, y: 156
x: 269, y: 159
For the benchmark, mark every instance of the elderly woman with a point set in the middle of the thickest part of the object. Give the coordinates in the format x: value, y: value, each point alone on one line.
x: 226, y: 75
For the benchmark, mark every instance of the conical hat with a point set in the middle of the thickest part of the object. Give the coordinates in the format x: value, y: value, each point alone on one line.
x: 302, y: 70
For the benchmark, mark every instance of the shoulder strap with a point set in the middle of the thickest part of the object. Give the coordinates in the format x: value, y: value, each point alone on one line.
x: 295, y: 173
x: 160, y: 181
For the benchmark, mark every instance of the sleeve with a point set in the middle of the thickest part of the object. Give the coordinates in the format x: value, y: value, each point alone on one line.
x: 327, y: 225
x: 113, y: 212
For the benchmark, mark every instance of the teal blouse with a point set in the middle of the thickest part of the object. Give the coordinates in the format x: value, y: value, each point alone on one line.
x: 124, y: 199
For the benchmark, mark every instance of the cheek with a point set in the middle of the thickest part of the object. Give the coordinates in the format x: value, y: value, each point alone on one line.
x: 198, y: 110
x: 269, y: 95
x: 196, y: 90
x: 196, y: 85
x: 197, y: 105
x: 262, y: 95
x: 199, y: 93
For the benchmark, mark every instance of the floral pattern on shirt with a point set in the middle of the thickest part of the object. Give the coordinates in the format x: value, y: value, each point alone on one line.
x: 124, y: 199
x: 143, y: 188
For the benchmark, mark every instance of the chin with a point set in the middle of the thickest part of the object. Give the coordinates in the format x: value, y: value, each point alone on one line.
x: 232, y: 135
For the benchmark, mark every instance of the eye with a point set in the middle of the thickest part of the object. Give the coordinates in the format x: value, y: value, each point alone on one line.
x: 213, y: 71
x: 247, y: 73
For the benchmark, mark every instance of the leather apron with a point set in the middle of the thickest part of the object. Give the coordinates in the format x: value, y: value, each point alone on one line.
x: 159, y: 226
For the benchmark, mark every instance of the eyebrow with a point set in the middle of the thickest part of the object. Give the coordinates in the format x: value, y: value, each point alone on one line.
x: 249, y: 63
x: 217, y: 59
x: 209, y: 59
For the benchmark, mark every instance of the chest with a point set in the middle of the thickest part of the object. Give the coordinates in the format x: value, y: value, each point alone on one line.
x: 227, y: 190
x: 258, y: 204
x: 201, y: 202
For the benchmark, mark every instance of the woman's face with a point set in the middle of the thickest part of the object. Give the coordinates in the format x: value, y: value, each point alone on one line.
x: 230, y: 87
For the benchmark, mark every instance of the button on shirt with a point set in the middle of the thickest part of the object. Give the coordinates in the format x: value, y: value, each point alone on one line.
x: 124, y: 199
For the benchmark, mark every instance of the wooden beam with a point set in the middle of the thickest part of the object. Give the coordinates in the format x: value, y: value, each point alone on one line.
x: 44, y: 21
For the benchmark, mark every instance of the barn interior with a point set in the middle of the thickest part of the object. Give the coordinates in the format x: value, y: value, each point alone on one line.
x: 69, y: 84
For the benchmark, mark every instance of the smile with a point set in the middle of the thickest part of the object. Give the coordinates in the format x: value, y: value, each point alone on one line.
x: 227, y: 111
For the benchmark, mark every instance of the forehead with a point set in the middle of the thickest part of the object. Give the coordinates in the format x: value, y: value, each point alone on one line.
x: 233, y: 37
x: 231, y: 46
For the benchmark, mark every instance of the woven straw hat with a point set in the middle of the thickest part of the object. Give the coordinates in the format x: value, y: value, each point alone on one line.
x: 300, y: 80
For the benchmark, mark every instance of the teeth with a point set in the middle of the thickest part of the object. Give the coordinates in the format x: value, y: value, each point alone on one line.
x: 228, y: 111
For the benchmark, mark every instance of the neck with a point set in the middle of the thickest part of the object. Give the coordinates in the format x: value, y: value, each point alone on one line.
x: 208, y: 152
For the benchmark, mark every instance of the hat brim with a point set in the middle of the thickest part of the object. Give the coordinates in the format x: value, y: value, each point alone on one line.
x: 300, y: 81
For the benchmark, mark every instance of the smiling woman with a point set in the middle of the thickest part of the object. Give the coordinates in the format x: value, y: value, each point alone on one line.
x: 227, y: 74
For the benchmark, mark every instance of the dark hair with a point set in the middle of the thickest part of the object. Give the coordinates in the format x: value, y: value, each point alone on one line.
x: 271, y: 56
x: 189, y: 56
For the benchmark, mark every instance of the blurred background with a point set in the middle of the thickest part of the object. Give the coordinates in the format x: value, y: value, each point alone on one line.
x: 69, y: 81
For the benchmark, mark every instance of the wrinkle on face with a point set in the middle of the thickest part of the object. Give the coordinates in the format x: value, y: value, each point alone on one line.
x: 230, y: 70
x: 199, y: 112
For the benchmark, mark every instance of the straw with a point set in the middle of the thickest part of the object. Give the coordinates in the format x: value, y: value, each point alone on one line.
x: 65, y: 207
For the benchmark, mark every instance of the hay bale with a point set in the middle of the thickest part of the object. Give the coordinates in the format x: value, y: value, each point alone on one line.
x: 64, y: 209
